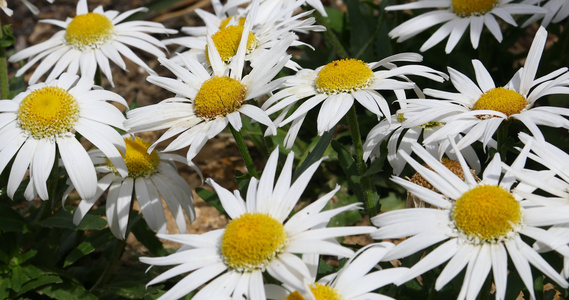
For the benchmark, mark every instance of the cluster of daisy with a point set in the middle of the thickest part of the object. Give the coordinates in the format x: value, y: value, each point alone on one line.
x: 464, y: 211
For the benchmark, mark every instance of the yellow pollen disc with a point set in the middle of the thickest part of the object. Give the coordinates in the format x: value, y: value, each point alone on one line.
x: 503, y: 100
x: 251, y: 241
x: 225, y: 21
x: 465, y: 8
x: 487, y: 213
x: 90, y: 30
x: 139, y: 162
x: 320, y: 292
x: 48, y: 112
x: 227, y: 40
x: 219, y: 96
x: 343, y: 76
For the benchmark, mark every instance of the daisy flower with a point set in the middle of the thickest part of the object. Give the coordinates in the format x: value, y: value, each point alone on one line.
x: 268, y: 6
x: 89, y: 41
x: 337, y: 84
x: 400, y: 139
x: 554, y: 181
x: 557, y: 11
x: 457, y: 15
x: 555, y: 160
x: 205, y: 104
x: 42, y: 121
x: 460, y: 224
x: 478, y: 109
x: 260, y: 237
x: 226, y: 32
x: 354, y: 281
x: 151, y: 176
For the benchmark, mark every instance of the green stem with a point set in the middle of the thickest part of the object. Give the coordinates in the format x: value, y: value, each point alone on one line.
x: 98, y: 80
x: 115, y: 257
x: 502, y: 135
x: 244, y: 152
x: 331, y: 37
x: 117, y: 253
x: 365, y: 182
x: 4, y: 85
x: 52, y: 182
x: 267, y: 140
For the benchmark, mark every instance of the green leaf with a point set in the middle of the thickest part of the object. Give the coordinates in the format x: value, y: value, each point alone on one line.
x: 242, y: 181
x: 92, y: 222
x: 38, y: 282
x: 325, y: 269
x: 148, y: 238
x: 29, y: 277
x: 348, y: 165
x: 18, y: 278
x: 98, y: 239
x: 211, y: 198
x: 7, y: 38
x: 130, y: 288
x: 347, y: 218
x: 5, y: 285
x: 60, y: 219
x: 335, y: 20
x: 392, y: 202
x: 67, y: 290
x: 362, y: 25
x: 11, y: 220
x: 316, y: 153
x: 64, y: 219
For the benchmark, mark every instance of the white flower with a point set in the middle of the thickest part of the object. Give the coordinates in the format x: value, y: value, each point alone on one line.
x: 557, y: 11
x: 265, y: 31
x: 354, y: 281
x: 337, y: 84
x: 400, y: 139
x: 43, y: 120
x: 460, y: 224
x: 554, y: 180
x: 89, y: 41
x: 478, y: 109
x: 269, y: 6
x: 457, y: 16
x: 151, y: 176
x: 5, y: 9
x: 196, y: 113
x: 260, y: 237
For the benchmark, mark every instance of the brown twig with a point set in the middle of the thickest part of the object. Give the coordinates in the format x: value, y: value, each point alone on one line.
x: 175, y: 14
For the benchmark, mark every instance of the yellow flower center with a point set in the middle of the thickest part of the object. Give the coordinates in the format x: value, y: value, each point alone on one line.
x: 320, y: 292
x: 251, y: 241
x: 466, y: 8
x: 139, y: 162
x: 227, y: 40
x: 343, y: 76
x: 48, y: 112
x: 503, y: 100
x: 486, y: 213
x: 225, y: 21
x: 219, y: 96
x: 90, y: 30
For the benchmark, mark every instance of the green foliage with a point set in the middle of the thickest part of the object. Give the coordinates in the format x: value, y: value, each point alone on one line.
x: 7, y: 37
